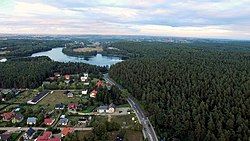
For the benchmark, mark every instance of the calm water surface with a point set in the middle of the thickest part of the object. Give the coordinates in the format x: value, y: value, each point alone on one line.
x: 56, y: 54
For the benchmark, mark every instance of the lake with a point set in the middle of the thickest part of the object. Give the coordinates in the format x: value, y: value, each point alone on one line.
x: 56, y: 54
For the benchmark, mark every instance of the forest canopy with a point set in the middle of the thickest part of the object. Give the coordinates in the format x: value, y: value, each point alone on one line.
x: 190, y: 91
x: 31, y: 72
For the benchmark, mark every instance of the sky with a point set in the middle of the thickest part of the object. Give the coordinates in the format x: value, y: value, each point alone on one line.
x: 229, y: 19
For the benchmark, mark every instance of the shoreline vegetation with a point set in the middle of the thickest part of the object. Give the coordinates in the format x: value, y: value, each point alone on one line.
x: 30, y: 72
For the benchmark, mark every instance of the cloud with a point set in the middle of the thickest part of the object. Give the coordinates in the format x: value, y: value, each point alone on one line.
x: 201, y: 18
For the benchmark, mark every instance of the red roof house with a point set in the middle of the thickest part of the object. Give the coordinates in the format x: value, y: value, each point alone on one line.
x: 47, y: 137
x: 8, y: 116
x: 66, y: 131
x: 93, y: 94
x: 99, y: 83
x: 67, y: 77
x: 48, y: 121
x: 72, y: 106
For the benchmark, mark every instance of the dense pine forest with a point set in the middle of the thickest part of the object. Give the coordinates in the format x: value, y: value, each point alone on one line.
x: 31, y: 72
x: 195, y: 91
x: 26, y: 47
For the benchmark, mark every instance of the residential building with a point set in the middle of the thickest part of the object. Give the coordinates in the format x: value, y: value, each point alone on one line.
x: 29, y: 134
x: 86, y: 75
x: 111, y: 108
x: 70, y: 95
x: 56, y: 74
x: 5, y: 137
x: 31, y: 120
x: 84, y: 79
x: 84, y: 92
x: 47, y: 136
x: 8, y: 116
x: 48, y: 121
x: 65, y: 131
x: 59, y: 106
x: 63, y: 121
x: 106, y: 109
x: 93, y: 94
x: 18, y: 118
x: 67, y: 77
x: 99, y: 83
x: 72, y: 106
x: 102, y: 109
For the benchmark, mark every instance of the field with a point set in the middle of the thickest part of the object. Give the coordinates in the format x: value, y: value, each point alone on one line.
x: 58, y: 97
x: 88, y: 49
x: 25, y: 96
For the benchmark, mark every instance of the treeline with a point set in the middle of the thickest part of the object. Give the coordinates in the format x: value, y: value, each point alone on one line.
x: 31, y: 72
x: 228, y: 50
x: 190, y: 93
x: 26, y: 47
x: 69, y: 51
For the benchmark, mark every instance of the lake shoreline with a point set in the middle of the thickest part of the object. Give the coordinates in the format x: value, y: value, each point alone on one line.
x: 56, y: 54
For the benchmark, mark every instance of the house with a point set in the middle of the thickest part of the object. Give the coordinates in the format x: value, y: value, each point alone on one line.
x: 72, y: 106
x: 63, y: 121
x: 18, y: 118
x: 6, y: 91
x: 83, y: 78
x: 31, y: 120
x: 82, y: 120
x: 17, y: 109
x: 102, y: 109
x: 52, y: 78
x: 8, y: 116
x: 86, y: 75
x: 48, y: 121
x: 67, y: 77
x: 65, y: 131
x: 5, y: 137
x: 62, y: 116
x: 93, y: 94
x: 29, y: 134
x: 59, y: 106
x: 56, y: 74
x: 111, y: 108
x: 47, y: 136
x: 70, y: 95
x: 84, y: 92
x: 99, y: 83
x: 106, y: 109
x: 109, y: 86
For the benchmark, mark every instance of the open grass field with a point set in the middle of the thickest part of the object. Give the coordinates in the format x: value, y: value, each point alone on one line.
x: 133, y: 135
x: 58, y: 97
x: 125, y: 120
x: 25, y: 96
x: 88, y: 49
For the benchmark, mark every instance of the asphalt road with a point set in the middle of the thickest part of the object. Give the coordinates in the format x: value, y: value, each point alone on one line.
x: 14, y: 129
x: 147, y: 126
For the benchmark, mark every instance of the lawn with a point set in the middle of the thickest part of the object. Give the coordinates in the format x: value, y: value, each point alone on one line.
x: 9, y: 108
x: 89, y: 109
x: 15, y: 136
x: 58, y: 97
x: 123, y: 105
x: 125, y: 120
x: 131, y: 135
x: 25, y: 96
